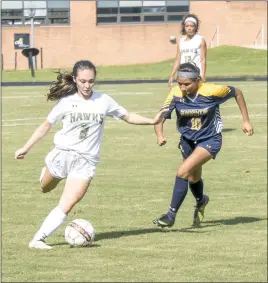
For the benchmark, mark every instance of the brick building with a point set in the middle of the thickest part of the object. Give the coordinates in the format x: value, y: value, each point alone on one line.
x: 122, y: 32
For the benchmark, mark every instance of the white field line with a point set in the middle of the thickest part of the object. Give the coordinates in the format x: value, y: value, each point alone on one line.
x: 111, y: 121
x: 264, y: 105
x: 218, y: 83
x: 22, y: 96
x: 155, y: 111
x: 114, y: 94
x: 19, y: 125
x: 23, y: 119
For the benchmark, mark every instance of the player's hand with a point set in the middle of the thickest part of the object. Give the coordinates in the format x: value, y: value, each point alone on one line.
x: 170, y: 81
x: 161, y: 140
x: 20, y: 153
x: 248, y: 128
x: 159, y: 116
x: 204, y: 79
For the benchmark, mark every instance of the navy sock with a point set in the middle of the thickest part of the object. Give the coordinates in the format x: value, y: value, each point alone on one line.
x: 179, y: 194
x: 197, y: 189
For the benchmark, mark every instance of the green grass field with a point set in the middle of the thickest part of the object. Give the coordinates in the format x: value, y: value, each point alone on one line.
x: 133, y: 185
x: 223, y: 61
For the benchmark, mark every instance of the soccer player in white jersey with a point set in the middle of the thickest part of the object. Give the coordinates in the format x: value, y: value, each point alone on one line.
x: 191, y: 47
x: 197, y: 106
x: 83, y: 112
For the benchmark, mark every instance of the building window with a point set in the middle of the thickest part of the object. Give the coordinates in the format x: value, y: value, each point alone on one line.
x: 107, y: 20
x: 175, y: 18
x: 131, y: 19
x: 154, y: 18
x: 45, y: 12
x: 141, y: 11
x: 130, y: 10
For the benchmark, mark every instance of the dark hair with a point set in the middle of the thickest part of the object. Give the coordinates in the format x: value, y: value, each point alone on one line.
x: 189, y: 67
x: 183, y: 31
x: 65, y: 85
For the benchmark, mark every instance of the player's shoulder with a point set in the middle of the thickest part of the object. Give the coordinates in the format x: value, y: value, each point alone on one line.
x: 175, y: 91
x: 67, y: 99
x: 199, y: 36
x: 210, y: 89
x: 100, y: 95
x: 182, y: 39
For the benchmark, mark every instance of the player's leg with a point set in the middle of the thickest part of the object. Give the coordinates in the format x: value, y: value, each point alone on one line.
x: 196, y: 159
x: 213, y: 146
x: 47, y: 181
x: 54, y: 171
x: 77, y: 183
x: 73, y: 192
x: 196, y: 183
x: 196, y: 187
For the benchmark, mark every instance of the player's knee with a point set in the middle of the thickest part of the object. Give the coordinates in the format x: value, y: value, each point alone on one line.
x: 182, y: 173
x: 47, y: 188
x: 193, y: 179
x: 67, y: 206
x: 44, y: 189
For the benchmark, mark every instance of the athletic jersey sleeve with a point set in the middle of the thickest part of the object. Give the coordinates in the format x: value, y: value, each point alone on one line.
x: 230, y: 93
x: 56, y: 114
x: 170, y: 101
x: 223, y: 93
x: 169, y: 98
x: 114, y: 109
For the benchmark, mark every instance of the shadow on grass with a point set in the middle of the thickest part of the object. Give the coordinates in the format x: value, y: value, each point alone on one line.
x: 125, y: 233
x: 233, y: 221
x: 220, y: 222
x: 192, y: 229
x: 66, y: 244
x: 228, y: 130
x: 119, y: 234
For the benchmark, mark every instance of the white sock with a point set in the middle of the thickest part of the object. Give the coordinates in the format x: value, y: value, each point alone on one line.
x: 52, y: 222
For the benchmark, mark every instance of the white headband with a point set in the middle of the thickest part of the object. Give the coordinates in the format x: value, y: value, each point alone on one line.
x: 188, y: 75
x: 191, y: 19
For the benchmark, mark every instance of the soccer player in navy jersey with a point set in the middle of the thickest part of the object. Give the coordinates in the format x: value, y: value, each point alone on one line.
x: 198, y: 120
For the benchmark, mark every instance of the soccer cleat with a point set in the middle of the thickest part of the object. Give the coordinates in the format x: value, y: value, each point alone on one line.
x: 199, y: 211
x: 164, y: 221
x: 39, y: 245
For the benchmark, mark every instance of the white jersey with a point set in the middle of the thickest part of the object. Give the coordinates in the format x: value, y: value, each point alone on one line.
x: 190, y: 50
x: 83, y: 122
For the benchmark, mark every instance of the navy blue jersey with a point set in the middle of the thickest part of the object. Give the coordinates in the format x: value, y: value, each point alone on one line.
x: 199, y: 118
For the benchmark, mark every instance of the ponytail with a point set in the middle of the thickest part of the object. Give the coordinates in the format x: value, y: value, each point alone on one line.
x: 64, y: 86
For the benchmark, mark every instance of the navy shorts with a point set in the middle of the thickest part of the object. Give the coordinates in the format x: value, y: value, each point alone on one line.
x: 212, y: 145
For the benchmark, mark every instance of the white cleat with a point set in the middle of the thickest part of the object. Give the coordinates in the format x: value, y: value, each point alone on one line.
x: 39, y: 245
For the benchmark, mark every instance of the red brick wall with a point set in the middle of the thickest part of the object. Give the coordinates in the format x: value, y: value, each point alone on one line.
x: 239, y: 24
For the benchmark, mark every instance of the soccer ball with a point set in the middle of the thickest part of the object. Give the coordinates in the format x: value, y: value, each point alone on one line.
x: 79, y: 233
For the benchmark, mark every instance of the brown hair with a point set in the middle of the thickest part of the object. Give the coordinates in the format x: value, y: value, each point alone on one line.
x: 183, y: 31
x: 65, y: 85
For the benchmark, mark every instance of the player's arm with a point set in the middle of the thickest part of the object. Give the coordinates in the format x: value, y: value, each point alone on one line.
x: 38, y: 134
x: 161, y: 139
x: 158, y: 129
x: 203, y: 55
x: 175, y: 65
x: 247, y: 126
x: 136, y: 119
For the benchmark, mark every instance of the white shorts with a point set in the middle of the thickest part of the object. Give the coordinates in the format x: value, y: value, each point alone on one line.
x: 63, y: 163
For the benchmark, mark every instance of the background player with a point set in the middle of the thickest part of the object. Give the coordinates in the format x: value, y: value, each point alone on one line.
x: 191, y: 47
x: 199, y: 122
